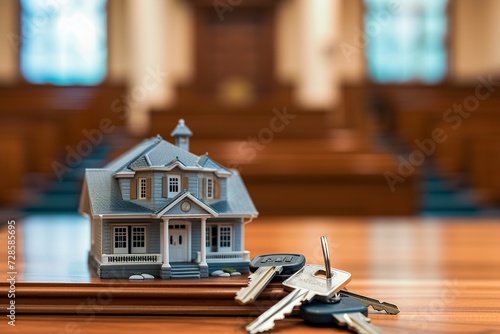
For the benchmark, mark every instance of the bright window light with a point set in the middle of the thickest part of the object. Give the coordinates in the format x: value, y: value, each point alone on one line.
x: 64, y: 42
x: 405, y: 40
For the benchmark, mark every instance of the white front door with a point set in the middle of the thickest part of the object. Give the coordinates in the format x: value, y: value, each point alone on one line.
x: 178, y: 245
x: 138, y: 239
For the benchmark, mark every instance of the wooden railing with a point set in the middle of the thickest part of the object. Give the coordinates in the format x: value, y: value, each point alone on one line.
x: 131, y: 258
x: 224, y: 256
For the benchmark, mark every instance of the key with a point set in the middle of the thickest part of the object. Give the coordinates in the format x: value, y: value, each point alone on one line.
x: 347, y: 311
x: 375, y: 303
x: 305, y: 284
x: 309, y: 281
x: 264, y: 269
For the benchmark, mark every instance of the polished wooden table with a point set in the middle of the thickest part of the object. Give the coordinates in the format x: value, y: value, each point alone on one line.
x: 443, y: 274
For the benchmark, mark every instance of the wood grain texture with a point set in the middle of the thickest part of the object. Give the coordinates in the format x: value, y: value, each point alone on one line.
x: 444, y: 276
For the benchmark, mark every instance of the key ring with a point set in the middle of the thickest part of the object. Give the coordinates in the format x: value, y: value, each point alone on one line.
x: 328, y: 270
x: 326, y: 256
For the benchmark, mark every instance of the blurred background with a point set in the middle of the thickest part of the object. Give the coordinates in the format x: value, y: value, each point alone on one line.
x: 342, y: 107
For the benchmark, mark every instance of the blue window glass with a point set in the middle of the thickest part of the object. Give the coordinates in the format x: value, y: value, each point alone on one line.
x: 405, y: 40
x: 64, y: 42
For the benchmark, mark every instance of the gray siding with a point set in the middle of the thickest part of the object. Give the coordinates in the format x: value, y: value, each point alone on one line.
x: 154, y: 238
x: 238, y: 230
x: 200, y: 178
x: 195, y: 238
x: 223, y: 189
x: 193, y: 183
x: 106, y: 245
x: 97, y: 237
x: 157, y: 192
x: 125, y: 188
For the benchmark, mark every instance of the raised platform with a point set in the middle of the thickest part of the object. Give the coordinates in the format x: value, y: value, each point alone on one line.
x: 207, y: 296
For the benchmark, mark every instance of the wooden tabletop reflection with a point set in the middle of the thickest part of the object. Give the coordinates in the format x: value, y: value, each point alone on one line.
x: 443, y: 274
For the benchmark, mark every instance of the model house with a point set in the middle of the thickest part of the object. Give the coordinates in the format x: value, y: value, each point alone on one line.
x: 161, y: 210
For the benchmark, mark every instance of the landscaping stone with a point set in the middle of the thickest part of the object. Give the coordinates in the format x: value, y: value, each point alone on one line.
x: 136, y: 277
x: 224, y: 275
x: 236, y: 273
x: 148, y: 276
x: 217, y: 273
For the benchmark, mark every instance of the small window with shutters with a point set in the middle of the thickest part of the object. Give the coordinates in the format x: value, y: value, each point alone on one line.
x: 142, y: 188
x: 209, y: 188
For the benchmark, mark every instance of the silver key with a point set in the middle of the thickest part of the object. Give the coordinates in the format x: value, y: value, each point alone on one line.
x: 305, y: 284
x: 356, y: 322
x: 265, y: 268
x: 258, y: 281
x: 375, y: 303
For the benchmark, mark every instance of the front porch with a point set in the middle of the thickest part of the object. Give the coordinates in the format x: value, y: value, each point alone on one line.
x: 171, y: 247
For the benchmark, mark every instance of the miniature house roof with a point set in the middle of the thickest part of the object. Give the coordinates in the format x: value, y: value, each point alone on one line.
x: 102, y: 191
x: 156, y: 153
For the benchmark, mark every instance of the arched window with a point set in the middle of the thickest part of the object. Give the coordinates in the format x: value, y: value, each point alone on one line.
x: 405, y: 40
x: 64, y: 42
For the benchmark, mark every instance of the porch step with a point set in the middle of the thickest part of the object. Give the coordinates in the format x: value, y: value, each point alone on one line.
x: 184, y: 270
x: 183, y: 275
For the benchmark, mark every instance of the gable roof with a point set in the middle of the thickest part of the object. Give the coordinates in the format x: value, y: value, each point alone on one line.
x: 157, y: 153
x: 179, y: 198
x: 123, y: 161
x: 206, y: 162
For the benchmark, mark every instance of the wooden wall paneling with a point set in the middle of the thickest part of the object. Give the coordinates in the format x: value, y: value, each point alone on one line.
x: 13, y: 151
x: 222, y: 52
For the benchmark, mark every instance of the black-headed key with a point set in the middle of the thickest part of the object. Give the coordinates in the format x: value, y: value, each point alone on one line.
x: 346, y: 312
x: 264, y: 269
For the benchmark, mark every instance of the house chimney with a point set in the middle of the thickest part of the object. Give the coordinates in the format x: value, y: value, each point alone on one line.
x: 182, y: 134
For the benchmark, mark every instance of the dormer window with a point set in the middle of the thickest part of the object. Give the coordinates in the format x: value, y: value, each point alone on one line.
x: 142, y: 188
x: 210, y: 188
x: 174, y: 185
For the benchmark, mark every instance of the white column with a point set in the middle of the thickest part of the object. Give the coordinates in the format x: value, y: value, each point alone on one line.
x: 203, y: 248
x: 102, y: 238
x: 166, y: 263
x: 161, y: 238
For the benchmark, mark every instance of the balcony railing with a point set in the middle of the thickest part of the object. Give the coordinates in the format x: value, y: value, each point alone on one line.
x: 131, y: 258
x: 224, y: 256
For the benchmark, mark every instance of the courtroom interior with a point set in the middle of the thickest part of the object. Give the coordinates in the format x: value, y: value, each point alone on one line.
x: 374, y: 122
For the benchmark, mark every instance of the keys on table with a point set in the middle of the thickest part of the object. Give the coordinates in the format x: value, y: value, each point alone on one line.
x: 375, y: 303
x: 264, y: 269
x: 305, y: 284
x: 309, y: 281
x: 318, y: 286
x: 346, y: 312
